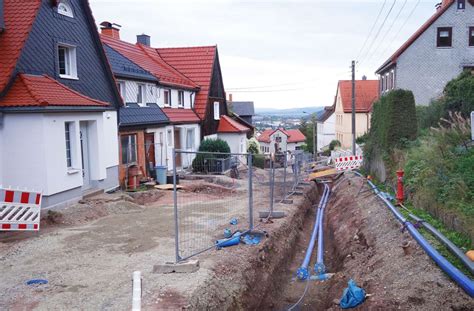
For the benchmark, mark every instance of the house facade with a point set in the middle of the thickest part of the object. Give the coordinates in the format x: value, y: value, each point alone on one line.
x: 58, y: 102
x: 281, y: 140
x: 366, y: 94
x: 159, y: 99
x: 435, y: 54
x: 326, y: 128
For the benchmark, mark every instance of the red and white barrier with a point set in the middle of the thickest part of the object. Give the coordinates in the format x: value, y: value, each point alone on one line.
x: 348, y: 162
x: 19, y: 210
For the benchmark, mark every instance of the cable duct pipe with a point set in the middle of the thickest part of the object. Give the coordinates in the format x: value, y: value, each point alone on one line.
x: 319, y: 267
x: 302, y: 272
x: 457, y: 276
x: 450, y: 245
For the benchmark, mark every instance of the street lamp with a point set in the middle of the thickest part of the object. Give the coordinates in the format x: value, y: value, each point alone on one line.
x: 315, y: 138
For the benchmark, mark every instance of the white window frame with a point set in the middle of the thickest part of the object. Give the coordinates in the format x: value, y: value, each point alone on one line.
x: 167, y: 97
x: 141, y: 94
x: 181, y: 99
x: 217, y: 115
x: 65, y: 8
x: 122, y: 89
x: 132, y: 149
x: 190, y: 140
x: 69, y: 138
x: 70, y: 61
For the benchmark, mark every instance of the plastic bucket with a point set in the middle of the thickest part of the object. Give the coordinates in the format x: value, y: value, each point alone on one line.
x: 161, y: 174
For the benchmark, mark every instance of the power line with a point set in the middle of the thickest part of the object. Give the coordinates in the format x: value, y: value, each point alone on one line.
x: 378, y: 32
x: 372, y: 29
x: 394, y: 38
x: 388, y: 31
x: 243, y: 89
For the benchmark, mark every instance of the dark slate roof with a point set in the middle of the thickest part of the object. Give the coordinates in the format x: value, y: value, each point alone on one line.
x: 243, y: 108
x: 142, y: 116
x: 123, y: 67
x: 2, y: 19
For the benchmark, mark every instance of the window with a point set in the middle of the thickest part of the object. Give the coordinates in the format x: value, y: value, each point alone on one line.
x: 64, y: 8
x: 141, y: 95
x: 167, y: 97
x: 445, y: 37
x: 67, y: 130
x: 278, y: 139
x: 67, y: 61
x: 180, y: 99
x: 216, y: 111
x: 471, y: 36
x: 190, y: 139
x: 121, y: 88
x: 129, y: 149
x: 461, y: 4
x: 191, y: 104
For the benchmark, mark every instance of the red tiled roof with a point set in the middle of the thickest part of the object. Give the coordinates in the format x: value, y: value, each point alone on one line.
x: 29, y: 90
x: 294, y: 136
x: 148, y: 58
x: 393, y: 59
x: 229, y: 125
x: 367, y: 92
x: 181, y: 115
x: 197, y: 64
x: 18, y: 22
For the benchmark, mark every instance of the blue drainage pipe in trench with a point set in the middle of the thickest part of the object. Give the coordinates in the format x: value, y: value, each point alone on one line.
x: 457, y: 276
x: 319, y: 267
x: 302, y: 273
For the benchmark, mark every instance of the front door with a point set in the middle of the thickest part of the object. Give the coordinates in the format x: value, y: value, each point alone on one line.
x: 177, y: 145
x: 150, y: 154
x: 84, y: 135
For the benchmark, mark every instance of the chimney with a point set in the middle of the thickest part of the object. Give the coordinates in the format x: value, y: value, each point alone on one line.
x: 364, y: 77
x: 110, y: 29
x: 2, y: 19
x: 230, y: 97
x: 143, y: 39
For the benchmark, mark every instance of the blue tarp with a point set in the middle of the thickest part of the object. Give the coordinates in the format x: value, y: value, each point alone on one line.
x: 352, y: 296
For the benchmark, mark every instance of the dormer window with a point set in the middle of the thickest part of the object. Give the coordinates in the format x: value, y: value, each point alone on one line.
x: 64, y: 8
x: 461, y: 4
x: 67, y: 64
x: 180, y: 98
x: 167, y: 97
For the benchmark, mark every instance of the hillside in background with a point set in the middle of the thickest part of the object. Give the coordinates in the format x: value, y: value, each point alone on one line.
x: 288, y: 112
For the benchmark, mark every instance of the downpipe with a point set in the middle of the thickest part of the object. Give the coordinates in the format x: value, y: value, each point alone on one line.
x: 457, y: 276
x: 302, y: 273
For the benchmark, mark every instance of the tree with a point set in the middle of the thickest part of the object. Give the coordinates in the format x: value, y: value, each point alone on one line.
x: 253, y: 146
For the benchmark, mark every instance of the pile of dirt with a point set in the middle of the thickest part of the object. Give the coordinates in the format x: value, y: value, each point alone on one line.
x: 146, y: 197
x: 208, y: 188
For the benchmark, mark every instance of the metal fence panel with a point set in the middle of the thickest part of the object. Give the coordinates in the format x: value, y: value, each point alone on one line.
x: 218, y: 190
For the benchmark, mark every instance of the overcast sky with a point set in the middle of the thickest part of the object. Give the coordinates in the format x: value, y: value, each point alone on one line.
x: 278, y: 53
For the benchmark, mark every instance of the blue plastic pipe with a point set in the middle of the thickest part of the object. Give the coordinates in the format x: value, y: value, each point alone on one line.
x: 302, y: 273
x: 457, y: 276
x: 319, y: 267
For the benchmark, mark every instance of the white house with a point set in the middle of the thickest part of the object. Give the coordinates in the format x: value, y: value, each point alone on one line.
x: 326, y: 128
x: 435, y: 54
x: 58, y: 103
x: 280, y: 140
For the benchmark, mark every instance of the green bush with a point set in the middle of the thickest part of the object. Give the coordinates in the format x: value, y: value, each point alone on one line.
x: 210, y: 145
x: 393, y: 123
x: 259, y: 161
x: 333, y: 144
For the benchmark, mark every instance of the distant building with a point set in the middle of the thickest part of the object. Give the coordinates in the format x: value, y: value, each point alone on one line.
x: 435, y: 54
x: 281, y: 140
x: 245, y: 110
x: 326, y: 130
x: 366, y: 95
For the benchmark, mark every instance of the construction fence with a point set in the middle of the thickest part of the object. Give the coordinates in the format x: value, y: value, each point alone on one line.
x: 228, y: 193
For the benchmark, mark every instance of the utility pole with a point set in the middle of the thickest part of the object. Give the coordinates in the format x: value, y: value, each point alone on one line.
x: 315, y: 138
x: 353, y: 111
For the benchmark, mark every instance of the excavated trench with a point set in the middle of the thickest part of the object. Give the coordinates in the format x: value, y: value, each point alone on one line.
x: 362, y: 241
